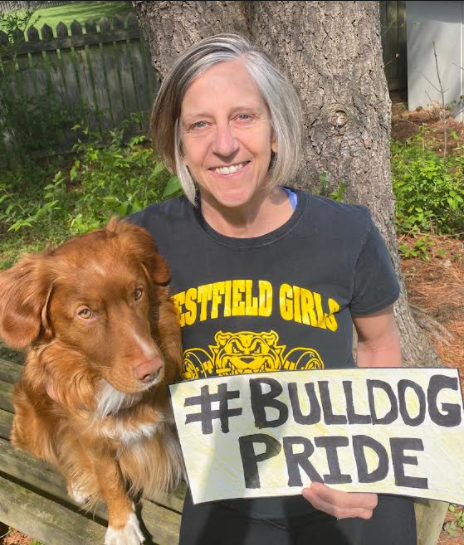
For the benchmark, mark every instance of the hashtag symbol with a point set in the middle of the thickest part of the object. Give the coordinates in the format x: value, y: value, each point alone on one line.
x: 207, y: 414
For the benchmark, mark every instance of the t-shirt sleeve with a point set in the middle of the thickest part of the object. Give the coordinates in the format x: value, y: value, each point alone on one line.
x: 375, y: 283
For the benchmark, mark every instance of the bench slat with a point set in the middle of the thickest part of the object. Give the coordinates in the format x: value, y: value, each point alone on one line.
x: 29, y: 469
x: 6, y: 421
x: 10, y: 372
x: 44, y: 519
x: 162, y: 523
x: 6, y: 396
x: 173, y: 501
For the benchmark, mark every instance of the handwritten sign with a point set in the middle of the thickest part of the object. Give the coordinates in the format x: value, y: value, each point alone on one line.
x: 381, y: 430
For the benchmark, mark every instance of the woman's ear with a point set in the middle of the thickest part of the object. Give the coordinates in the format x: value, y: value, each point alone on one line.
x: 24, y: 292
x: 274, y: 144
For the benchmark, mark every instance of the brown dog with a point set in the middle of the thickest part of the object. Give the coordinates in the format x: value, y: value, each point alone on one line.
x: 104, y: 342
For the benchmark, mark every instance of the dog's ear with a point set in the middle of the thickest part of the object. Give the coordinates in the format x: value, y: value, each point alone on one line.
x: 159, y: 269
x: 143, y: 246
x: 24, y: 293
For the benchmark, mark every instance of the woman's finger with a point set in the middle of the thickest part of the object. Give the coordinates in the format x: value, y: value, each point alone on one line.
x: 341, y: 504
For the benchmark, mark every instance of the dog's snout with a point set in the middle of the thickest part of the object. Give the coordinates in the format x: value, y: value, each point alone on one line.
x: 148, y: 370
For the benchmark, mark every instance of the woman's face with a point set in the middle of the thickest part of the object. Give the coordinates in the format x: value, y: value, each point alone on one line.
x: 227, y: 138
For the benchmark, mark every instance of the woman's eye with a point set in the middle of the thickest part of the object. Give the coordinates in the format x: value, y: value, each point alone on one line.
x: 138, y: 294
x: 244, y: 118
x: 85, y: 313
x: 198, y: 125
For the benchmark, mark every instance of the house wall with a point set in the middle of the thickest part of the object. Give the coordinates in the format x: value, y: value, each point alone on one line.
x: 442, y: 24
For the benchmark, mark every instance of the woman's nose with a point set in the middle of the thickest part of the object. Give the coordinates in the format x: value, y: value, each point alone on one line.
x: 225, y: 143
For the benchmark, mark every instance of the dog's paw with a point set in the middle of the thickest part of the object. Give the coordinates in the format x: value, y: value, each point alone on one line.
x: 129, y: 535
x: 79, y: 495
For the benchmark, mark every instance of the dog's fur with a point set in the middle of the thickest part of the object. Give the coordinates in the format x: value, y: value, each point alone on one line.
x: 103, y: 342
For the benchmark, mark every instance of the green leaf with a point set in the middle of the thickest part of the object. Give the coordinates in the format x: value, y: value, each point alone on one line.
x: 124, y: 208
x: 172, y: 188
x: 451, y: 529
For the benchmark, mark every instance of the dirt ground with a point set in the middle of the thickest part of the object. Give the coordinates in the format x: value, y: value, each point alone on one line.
x: 13, y: 537
x: 435, y: 287
x: 407, y: 124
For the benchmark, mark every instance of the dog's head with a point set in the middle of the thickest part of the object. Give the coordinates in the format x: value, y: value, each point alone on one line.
x: 97, y: 302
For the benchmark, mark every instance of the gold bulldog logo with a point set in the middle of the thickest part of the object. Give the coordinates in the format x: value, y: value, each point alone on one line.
x: 247, y: 352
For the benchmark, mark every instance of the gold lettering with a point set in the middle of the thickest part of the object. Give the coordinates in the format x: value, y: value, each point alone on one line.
x: 191, y: 306
x: 330, y: 320
x: 251, y: 303
x: 308, y: 316
x: 286, y: 301
x: 319, y: 311
x: 296, y: 303
x: 228, y: 299
x: 265, y: 298
x: 238, y: 306
x: 179, y: 300
x: 218, y: 292
x: 205, y: 294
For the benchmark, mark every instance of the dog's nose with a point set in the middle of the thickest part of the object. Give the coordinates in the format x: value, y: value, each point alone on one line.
x: 148, y: 370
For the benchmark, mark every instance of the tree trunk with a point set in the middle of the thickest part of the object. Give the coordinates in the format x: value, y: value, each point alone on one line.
x: 332, y: 53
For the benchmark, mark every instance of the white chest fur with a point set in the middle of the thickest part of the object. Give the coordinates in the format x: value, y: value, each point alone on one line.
x: 127, y: 433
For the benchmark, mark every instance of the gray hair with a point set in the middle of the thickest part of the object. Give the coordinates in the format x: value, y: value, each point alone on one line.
x: 276, y: 89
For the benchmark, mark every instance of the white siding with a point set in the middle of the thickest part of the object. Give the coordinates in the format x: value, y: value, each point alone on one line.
x: 442, y: 23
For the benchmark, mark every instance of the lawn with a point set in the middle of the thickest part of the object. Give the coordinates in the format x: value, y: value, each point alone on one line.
x: 79, y: 11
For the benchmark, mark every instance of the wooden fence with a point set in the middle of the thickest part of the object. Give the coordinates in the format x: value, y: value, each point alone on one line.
x: 393, y: 28
x: 99, y: 75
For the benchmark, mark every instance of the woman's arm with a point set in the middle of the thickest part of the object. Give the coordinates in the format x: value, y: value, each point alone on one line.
x: 378, y: 346
x: 378, y: 339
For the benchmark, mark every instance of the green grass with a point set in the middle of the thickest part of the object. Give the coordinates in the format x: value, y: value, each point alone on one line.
x: 79, y: 11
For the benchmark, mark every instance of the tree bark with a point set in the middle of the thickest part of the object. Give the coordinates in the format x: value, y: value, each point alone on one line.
x: 332, y: 53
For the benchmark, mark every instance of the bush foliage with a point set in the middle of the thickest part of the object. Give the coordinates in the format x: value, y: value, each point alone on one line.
x: 429, y: 189
x: 46, y: 204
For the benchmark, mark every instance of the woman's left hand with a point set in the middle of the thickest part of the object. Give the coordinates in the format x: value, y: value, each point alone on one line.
x: 341, y: 505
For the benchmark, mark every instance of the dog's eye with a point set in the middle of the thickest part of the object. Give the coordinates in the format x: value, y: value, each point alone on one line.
x: 138, y: 293
x: 85, y: 313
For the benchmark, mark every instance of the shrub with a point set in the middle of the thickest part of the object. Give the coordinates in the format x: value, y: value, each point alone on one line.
x: 429, y: 190
x: 51, y: 203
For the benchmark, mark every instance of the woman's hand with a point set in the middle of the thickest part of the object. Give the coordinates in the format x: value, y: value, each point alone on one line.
x: 341, y: 505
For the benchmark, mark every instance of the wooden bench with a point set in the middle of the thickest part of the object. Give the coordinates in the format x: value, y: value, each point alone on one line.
x: 33, y: 496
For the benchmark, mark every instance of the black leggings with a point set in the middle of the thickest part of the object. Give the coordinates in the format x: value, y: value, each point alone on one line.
x: 393, y: 523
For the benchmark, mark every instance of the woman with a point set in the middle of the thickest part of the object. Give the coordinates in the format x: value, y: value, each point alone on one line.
x: 266, y: 277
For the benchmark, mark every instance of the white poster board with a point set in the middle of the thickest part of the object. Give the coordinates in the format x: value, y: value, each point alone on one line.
x: 390, y: 430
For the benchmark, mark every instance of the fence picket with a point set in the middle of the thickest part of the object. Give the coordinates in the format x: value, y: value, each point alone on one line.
x: 23, y: 88
x: 67, y: 66
x: 112, y: 75
x: 85, y: 79
x: 97, y: 72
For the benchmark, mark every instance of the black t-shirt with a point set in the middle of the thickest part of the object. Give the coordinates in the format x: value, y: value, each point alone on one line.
x: 284, y: 300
